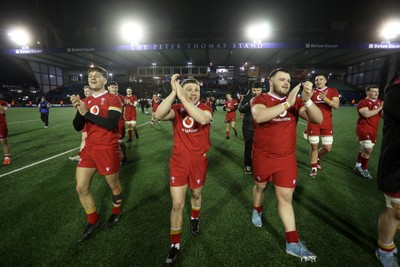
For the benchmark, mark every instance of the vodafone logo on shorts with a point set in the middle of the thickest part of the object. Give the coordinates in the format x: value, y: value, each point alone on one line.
x: 188, y: 122
x: 95, y: 110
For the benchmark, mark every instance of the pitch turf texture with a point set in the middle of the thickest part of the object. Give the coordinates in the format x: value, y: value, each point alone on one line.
x: 41, y: 217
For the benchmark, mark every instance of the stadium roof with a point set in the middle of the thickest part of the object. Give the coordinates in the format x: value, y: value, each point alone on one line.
x: 74, y: 34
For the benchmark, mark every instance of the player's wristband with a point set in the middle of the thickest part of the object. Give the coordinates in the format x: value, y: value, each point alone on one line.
x: 285, y: 105
x: 308, y: 103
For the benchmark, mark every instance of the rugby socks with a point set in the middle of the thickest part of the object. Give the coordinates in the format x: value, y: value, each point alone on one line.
x: 234, y: 129
x: 117, y: 201
x: 386, y: 248
x: 92, y: 215
x: 130, y: 133
x: 364, y: 163
x: 136, y: 134
x: 292, y: 237
x: 258, y: 209
x: 195, y: 213
x: 175, y: 237
x: 227, y: 134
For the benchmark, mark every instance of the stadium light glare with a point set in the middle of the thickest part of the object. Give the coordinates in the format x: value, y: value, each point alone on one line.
x: 390, y: 30
x: 132, y: 32
x: 259, y: 32
x: 20, y: 37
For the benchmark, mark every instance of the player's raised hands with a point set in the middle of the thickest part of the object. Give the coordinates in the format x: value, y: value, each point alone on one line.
x: 307, y: 91
x: 291, y: 99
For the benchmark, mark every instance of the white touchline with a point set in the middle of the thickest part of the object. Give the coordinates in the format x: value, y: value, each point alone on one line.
x: 44, y: 160
x: 13, y: 122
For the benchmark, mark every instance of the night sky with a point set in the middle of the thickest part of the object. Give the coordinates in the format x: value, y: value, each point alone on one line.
x: 191, y: 19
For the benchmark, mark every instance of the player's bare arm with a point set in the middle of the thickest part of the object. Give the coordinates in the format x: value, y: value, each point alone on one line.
x: 369, y: 113
x: 263, y: 114
x: 164, y: 111
x: 334, y: 102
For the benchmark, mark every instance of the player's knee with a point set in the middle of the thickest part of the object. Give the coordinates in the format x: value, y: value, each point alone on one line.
x: 177, y: 206
x: 196, y: 195
x: 82, y: 190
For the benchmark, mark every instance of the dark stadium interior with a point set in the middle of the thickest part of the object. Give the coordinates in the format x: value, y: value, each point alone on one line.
x: 309, y: 36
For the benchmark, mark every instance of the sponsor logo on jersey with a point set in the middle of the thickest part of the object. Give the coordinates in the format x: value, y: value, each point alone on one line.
x: 102, y: 101
x: 95, y: 110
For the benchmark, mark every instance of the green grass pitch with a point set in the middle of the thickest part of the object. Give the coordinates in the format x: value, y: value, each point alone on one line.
x: 41, y: 217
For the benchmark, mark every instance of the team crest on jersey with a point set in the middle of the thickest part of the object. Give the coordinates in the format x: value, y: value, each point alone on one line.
x: 188, y: 122
x: 95, y: 110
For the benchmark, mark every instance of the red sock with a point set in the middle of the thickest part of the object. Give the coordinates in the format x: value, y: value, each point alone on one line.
x: 385, y: 247
x: 116, y: 209
x: 93, y: 217
x: 364, y: 163
x: 258, y: 209
x: 359, y: 157
x: 130, y: 134
x: 314, y: 165
x: 175, y: 236
x: 292, y: 237
x: 195, y: 213
x: 227, y: 134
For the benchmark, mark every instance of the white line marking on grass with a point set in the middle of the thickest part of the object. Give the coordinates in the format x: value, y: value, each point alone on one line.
x: 38, y: 162
x: 21, y: 121
x: 55, y: 156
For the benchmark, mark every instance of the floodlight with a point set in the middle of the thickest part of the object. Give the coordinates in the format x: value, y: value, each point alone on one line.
x: 390, y: 30
x: 19, y: 36
x: 259, y: 32
x: 132, y: 32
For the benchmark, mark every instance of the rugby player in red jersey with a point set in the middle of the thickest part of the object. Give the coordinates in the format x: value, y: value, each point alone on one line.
x: 188, y: 164
x: 87, y: 92
x: 100, y: 114
x: 369, y: 114
x: 276, y: 115
x: 4, y: 133
x: 230, y: 106
x: 155, y: 102
x: 113, y: 89
x: 131, y: 103
x: 325, y: 98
